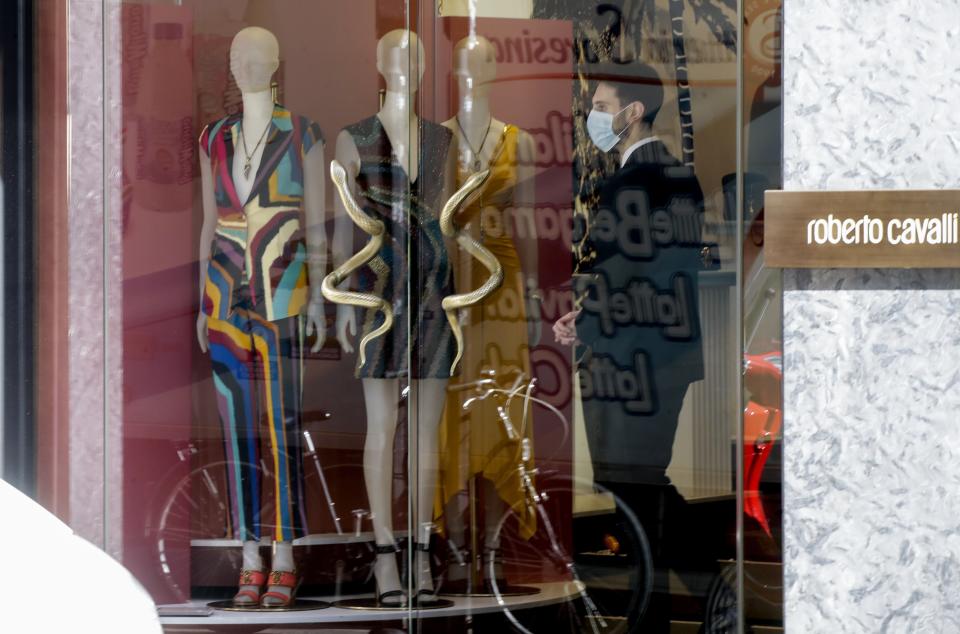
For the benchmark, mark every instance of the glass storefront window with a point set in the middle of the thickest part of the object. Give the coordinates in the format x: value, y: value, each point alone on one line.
x: 434, y: 312
x: 762, y: 97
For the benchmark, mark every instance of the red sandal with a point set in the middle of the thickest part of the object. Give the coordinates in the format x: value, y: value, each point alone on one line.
x: 283, y: 579
x: 250, y: 578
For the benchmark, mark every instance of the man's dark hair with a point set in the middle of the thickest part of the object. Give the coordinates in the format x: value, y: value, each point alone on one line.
x: 644, y: 85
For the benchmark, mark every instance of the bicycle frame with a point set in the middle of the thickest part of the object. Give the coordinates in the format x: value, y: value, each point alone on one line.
x: 488, y: 387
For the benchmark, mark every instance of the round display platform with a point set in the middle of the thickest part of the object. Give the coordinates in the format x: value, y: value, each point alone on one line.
x: 506, y: 590
x: 370, y: 603
x: 299, y: 605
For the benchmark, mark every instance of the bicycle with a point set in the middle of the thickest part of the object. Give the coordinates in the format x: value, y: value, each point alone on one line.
x: 605, y: 587
x: 202, y: 490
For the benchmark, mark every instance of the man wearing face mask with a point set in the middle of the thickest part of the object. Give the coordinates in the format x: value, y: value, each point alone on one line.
x: 636, y: 331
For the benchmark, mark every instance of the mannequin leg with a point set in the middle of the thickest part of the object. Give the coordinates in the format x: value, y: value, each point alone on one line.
x: 426, y: 405
x: 251, y: 556
x: 231, y: 357
x: 454, y: 513
x: 493, y: 511
x: 277, y: 346
x: 282, y: 556
x: 381, y: 399
x: 282, y: 561
x: 251, y: 561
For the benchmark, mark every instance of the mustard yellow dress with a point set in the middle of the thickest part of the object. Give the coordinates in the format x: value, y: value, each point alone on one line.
x: 474, y: 441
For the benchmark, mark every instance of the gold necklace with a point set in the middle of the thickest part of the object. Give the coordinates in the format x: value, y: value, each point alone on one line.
x: 249, y: 155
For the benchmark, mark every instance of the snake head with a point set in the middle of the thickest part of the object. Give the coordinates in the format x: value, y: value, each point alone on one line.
x: 338, y: 174
x: 464, y: 197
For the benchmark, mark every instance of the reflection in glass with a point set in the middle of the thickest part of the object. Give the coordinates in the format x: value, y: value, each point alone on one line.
x: 762, y: 317
x: 575, y: 470
x: 655, y: 328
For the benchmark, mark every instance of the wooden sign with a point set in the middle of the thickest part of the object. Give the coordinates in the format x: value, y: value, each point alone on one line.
x: 862, y: 229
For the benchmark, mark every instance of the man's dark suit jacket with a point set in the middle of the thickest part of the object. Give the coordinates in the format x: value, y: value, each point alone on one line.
x: 640, y: 327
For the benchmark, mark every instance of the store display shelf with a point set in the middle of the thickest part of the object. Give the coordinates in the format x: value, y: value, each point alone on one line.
x: 317, y: 539
x: 550, y: 593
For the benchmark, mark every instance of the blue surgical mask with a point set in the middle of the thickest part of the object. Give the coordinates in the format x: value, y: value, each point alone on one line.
x: 600, y: 129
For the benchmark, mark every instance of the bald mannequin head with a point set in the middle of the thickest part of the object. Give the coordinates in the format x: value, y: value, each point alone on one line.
x: 395, y: 52
x: 474, y: 65
x: 254, y: 58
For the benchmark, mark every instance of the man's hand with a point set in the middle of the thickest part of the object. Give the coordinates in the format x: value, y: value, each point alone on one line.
x: 316, y: 324
x: 565, y: 328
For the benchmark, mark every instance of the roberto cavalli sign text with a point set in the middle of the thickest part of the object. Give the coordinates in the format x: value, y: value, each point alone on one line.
x: 862, y: 229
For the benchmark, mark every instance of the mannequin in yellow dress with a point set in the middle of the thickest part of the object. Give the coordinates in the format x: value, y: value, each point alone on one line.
x: 497, y: 332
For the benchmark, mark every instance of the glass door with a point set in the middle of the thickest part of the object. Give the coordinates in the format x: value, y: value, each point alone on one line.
x: 587, y: 454
x: 762, y: 95
x: 267, y: 180
x: 426, y: 312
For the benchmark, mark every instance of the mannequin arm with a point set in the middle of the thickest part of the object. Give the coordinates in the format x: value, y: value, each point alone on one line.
x: 346, y: 153
x: 453, y: 252
x: 524, y: 199
x: 313, y: 201
x: 449, y: 174
x: 206, y: 238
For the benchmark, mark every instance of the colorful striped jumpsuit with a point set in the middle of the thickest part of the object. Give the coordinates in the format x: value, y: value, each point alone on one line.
x: 255, y: 290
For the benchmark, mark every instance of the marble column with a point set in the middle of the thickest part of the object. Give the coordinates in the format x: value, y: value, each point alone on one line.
x: 872, y: 357
x: 95, y: 258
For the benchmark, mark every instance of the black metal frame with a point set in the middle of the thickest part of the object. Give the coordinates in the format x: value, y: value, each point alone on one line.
x: 17, y: 34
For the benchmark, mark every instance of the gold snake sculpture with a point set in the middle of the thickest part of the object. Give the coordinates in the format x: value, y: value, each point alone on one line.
x: 453, y: 304
x: 376, y: 231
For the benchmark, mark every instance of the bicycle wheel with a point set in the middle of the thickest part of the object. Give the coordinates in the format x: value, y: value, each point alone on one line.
x: 595, y: 572
x: 173, y: 527
x: 721, y: 612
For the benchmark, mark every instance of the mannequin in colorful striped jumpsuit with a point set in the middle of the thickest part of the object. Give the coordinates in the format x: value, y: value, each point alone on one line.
x: 262, y: 250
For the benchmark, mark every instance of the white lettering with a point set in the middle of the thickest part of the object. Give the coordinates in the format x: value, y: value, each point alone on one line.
x: 821, y: 231
x: 893, y: 228
x: 909, y: 235
x: 849, y: 226
x: 934, y: 231
x: 834, y: 224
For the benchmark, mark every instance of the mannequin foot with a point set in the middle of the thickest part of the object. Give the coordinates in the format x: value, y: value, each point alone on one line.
x: 458, y: 565
x: 282, y: 579
x: 389, y: 592
x: 282, y: 589
x: 251, y: 585
x: 426, y: 591
x: 252, y: 576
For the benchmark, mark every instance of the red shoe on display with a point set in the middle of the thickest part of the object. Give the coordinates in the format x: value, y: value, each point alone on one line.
x: 280, y: 579
x: 255, y: 578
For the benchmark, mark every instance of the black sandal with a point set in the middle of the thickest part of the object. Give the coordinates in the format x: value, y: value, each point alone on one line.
x: 425, y: 596
x: 459, y: 560
x: 389, y: 549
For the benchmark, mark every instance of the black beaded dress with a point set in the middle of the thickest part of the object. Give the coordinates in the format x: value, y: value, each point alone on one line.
x: 412, y: 271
